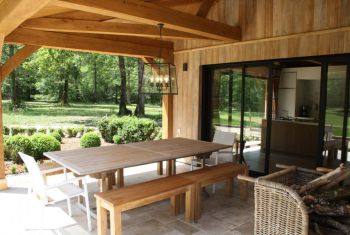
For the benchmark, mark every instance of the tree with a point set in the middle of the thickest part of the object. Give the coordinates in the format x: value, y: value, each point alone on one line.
x: 15, y: 98
x: 140, y: 105
x: 123, y: 110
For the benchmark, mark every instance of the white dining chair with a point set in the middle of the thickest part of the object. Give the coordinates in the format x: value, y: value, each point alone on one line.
x: 50, y: 194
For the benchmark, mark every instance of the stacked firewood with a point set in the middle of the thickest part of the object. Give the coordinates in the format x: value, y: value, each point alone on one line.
x: 328, y: 202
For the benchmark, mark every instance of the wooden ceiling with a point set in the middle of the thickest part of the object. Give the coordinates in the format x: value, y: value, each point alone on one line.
x: 118, y: 27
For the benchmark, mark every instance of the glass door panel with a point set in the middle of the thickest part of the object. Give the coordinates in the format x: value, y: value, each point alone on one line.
x: 226, y: 92
x: 334, y: 111
x: 255, y: 113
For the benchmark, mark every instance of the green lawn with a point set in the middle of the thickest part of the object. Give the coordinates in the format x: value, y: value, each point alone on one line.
x: 52, y: 114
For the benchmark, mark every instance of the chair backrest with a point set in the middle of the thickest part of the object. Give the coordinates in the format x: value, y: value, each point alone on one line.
x: 36, y: 178
x: 221, y: 137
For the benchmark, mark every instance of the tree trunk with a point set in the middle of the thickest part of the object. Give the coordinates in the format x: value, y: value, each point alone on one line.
x: 140, y: 107
x: 15, y: 99
x: 95, y: 80
x: 64, y: 95
x: 122, y: 101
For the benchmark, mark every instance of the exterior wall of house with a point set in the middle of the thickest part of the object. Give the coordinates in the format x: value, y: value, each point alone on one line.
x: 270, y: 29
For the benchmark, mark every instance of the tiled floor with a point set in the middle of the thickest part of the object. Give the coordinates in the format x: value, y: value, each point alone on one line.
x: 221, y: 214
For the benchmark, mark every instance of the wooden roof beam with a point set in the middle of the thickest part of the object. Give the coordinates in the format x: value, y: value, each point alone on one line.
x: 96, y: 27
x: 149, y: 13
x: 15, y: 12
x: 85, y: 44
x: 205, y: 8
x: 20, y: 56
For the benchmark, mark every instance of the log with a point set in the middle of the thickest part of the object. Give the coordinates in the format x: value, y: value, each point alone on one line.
x: 337, y: 180
x: 328, y: 221
x: 320, y: 181
x: 334, y: 194
x: 332, y: 210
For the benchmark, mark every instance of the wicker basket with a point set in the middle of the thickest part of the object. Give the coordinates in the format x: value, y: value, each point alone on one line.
x: 278, y: 208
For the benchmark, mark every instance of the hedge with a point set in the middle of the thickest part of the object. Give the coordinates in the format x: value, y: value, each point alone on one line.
x: 43, y: 143
x: 57, y: 136
x: 89, y: 140
x: 127, y: 129
x: 15, y: 144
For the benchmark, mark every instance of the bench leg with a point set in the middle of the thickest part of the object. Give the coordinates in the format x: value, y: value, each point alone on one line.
x: 175, y: 203
x: 160, y: 168
x: 243, y: 187
x: 101, y: 219
x: 120, y: 178
x: 198, y: 202
x: 229, y: 186
x: 116, y: 221
x: 190, y: 201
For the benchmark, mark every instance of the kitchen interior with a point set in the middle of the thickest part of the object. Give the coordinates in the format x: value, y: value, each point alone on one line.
x: 295, y: 114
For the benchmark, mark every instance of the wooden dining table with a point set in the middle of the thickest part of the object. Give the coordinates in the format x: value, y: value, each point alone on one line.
x: 106, y: 160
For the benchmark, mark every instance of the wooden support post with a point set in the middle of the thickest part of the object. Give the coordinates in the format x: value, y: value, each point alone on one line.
x: 175, y: 202
x: 198, y: 200
x: 243, y: 186
x: 116, y: 221
x: 103, y: 182
x: 160, y: 168
x: 111, y: 180
x: 167, y: 117
x: 3, y: 183
x: 190, y: 201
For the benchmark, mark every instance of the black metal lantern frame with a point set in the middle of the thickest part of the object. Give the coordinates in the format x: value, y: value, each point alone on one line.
x: 159, y: 77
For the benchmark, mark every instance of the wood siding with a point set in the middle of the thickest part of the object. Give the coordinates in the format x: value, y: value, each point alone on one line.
x: 270, y: 29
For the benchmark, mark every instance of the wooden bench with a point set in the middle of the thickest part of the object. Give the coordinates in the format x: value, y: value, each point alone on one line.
x: 123, y: 199
x: 214, y: 174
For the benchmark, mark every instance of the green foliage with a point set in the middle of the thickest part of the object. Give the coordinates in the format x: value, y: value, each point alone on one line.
x: 80, y: 131
x: 89, y: 129
x: 17, y: 130
x: 127, y: 129
x: 89, y: 140
x: 6, y: 130
x: 57, y: 136
x: 50, y: 130
x: 72, y: 132
x: 31, y: 130
x: 61, y: 132
x: 43, y: 143
x: 42, y: 130
x: 15, y: 144
x: 13, y: 169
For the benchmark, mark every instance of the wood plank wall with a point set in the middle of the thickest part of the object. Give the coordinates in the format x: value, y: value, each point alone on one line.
x: 270, y: 29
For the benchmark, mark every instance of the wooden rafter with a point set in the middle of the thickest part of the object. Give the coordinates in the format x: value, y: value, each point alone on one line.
x: 205, y: 8
x: 15, y: 12
x: 149, y: 13
x: 96, y: 27
x: 17, y: 59
x: 86, y: 44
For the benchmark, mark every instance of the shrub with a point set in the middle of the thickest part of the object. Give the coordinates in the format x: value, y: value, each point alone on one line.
x: 128, y: 129
x: 57, y: 136
x: 17, y: 130
x: 42, y: 130
x: 31, y: 130
x: 117, y: 139
x: 61, y: 132
x: 6, y: 130
x: 80, y: 131
x: 13, y: 169
x: 89, y: 129
x: 90, y: 140
x: 43, y: 143
x: 50, y: 130
x: 72, y: 132
x: 15, y: 144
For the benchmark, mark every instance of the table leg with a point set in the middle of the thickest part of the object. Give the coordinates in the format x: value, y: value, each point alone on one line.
x: 169, y: 168
x: 103, y: 182
x: 160, y: 168
x: 101, y: 219
x: 111, y: 180
x: 120, y: 178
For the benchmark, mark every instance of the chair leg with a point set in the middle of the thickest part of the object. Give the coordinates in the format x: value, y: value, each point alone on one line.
x: 69, y: 207
x: 87, y: 204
